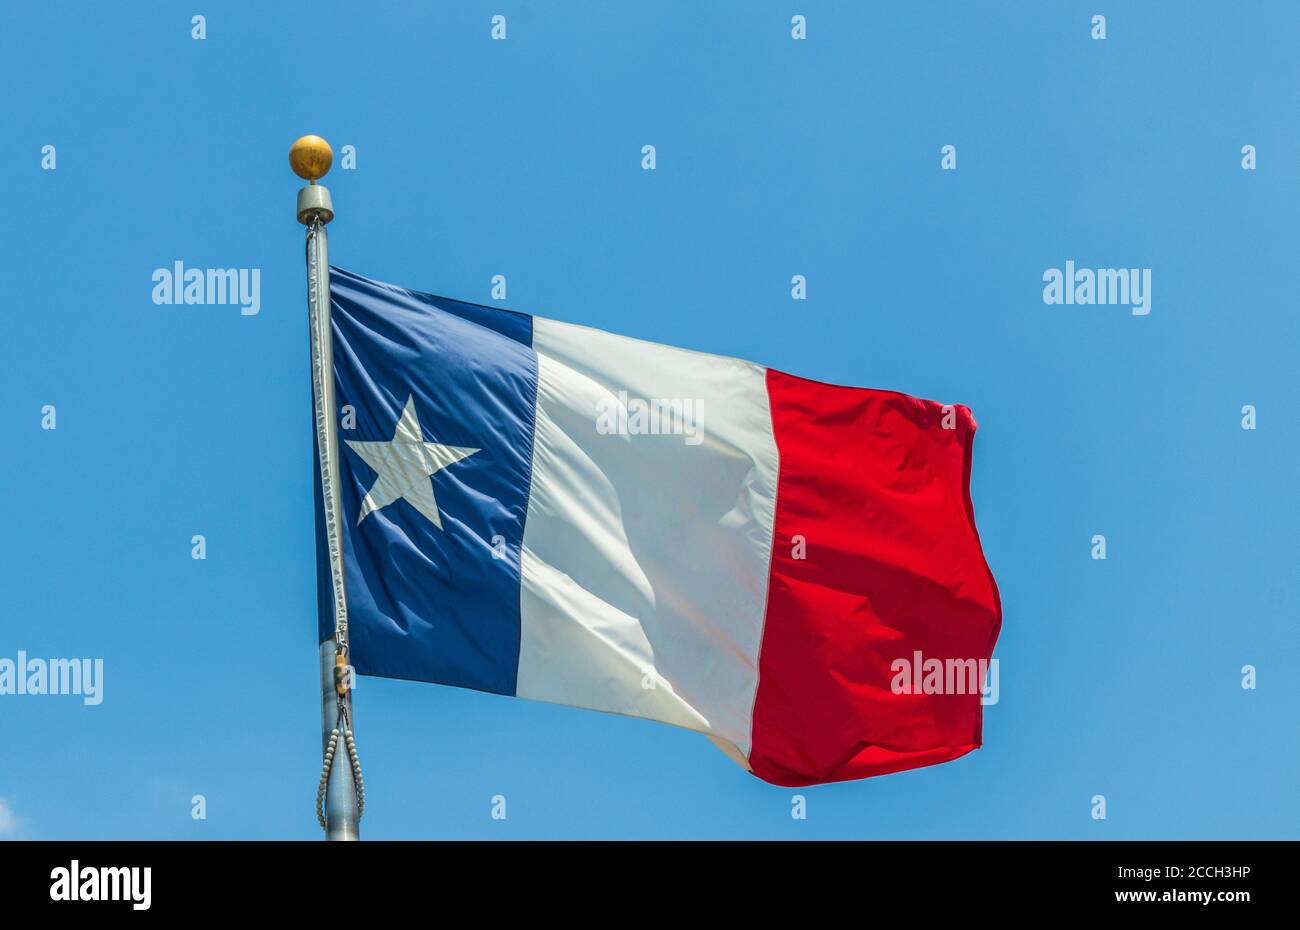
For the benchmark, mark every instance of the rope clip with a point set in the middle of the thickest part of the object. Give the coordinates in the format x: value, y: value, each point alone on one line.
x: 342, y: 675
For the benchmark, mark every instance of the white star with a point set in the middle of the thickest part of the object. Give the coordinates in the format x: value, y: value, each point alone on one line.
x: 405, y: 465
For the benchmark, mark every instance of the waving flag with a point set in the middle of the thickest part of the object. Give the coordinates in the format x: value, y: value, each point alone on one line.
x: 545, y: 510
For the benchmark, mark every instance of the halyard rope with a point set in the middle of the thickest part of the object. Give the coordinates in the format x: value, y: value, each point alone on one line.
x: 343, y: 725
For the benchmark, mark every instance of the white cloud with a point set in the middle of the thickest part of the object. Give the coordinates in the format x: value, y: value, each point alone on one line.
x: 8, y: 819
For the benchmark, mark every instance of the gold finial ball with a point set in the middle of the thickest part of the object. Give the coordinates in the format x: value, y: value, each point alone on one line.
x: 310, y: 158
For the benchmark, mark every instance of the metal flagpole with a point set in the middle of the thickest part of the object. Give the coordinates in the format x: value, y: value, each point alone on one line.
x: 340, y: 798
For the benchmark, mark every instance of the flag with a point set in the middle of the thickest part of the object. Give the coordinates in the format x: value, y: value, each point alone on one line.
x: 545, y: 510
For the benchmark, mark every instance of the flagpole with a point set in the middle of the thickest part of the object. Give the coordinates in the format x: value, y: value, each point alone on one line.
x: 341, y: 796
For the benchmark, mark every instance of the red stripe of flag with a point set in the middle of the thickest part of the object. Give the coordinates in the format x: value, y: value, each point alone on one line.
x: 877, y: 485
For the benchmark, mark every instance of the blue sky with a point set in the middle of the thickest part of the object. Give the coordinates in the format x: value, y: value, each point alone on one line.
x: 775, y: 157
